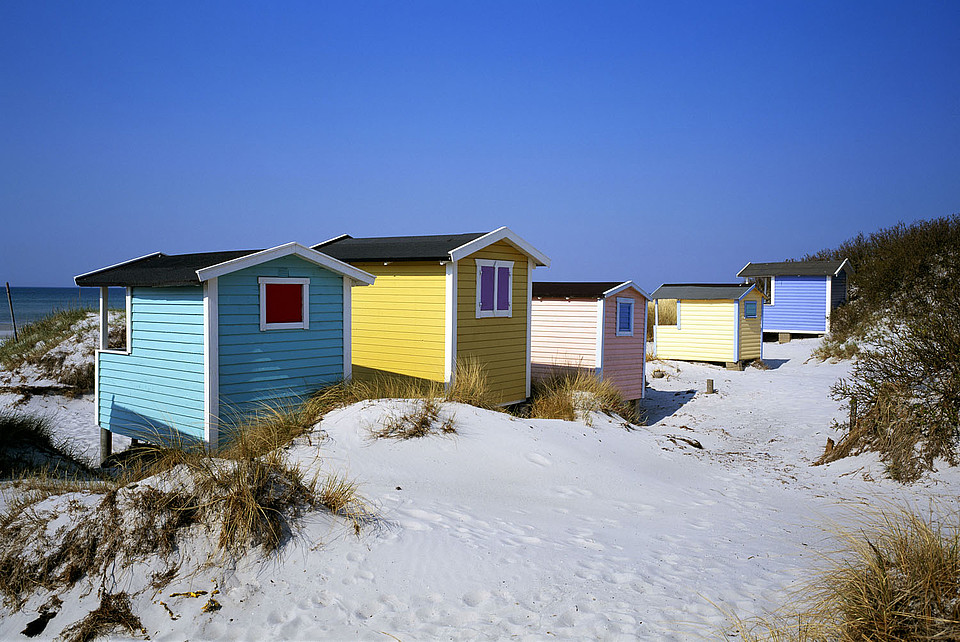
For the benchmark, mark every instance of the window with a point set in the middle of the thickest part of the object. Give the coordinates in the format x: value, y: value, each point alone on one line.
x: 624, y: 317
x: 494, y: 288
x: 284, y: 303
x: 749, y: 309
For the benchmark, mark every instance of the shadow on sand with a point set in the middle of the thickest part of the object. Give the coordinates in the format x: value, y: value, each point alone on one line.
x: 660, y: 404
x: 773, y: 364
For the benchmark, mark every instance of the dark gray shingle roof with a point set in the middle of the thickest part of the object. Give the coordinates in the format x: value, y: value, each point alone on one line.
x: 395, y: 248
x: 702, y: 291
x: 572, y: 289
x: 158, y: 269
x: 792, y: 268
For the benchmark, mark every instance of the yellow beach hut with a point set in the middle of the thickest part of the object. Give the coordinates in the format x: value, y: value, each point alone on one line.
x: 713, y: 322
x: 443, y: 298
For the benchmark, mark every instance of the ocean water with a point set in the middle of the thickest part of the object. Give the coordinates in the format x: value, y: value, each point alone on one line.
x: 30, y: 304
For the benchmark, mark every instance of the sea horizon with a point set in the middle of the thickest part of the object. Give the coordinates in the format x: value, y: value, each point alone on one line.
x: 31, y: 303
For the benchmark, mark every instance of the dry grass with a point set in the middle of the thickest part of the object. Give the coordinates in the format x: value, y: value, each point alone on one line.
x: 28, y: 448
x: 35, y: 339
x: 574, y: 396
x: 896, y: 578
x: 114, y: 612
x: 422, y: 420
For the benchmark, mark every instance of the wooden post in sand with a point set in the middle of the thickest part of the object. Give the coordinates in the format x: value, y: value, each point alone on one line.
x: 13, y: 319
x: 853, y: 412
x: 709, y: 386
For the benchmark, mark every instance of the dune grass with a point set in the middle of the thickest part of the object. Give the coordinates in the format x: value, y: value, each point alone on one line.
x: 28, y: 448
x: 35, y: 339
x: 895, y: 577
x: 573, y: 396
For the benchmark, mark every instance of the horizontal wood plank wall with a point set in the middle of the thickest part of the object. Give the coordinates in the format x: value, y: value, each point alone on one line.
x: 277, y: 367
x: 707, y: 332
x: 498, y: 343
x: 157, y: 390
x: 564, y: 335
x: 624, y: 358
x: 751, y: 331
x: 398, y: 322
x: 799, y: 305
x: 838, y: 290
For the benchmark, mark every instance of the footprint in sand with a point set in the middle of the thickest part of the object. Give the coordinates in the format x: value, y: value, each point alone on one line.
x: 538, y: 459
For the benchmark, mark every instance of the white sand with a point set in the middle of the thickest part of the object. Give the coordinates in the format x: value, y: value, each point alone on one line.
x: 542, y: 529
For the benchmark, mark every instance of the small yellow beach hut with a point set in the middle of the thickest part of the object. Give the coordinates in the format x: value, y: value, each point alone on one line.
x: 443, y: 298
x: 714, y: 322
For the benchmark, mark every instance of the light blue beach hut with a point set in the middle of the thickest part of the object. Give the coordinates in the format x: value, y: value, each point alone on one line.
x: 214, y: 335
x: 801, y: 294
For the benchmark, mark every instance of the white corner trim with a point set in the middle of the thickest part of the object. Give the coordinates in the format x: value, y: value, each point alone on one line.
x: 643, y: 365
x: 623, y: 286
x: 773, y: 290
x: 656, y: 323
x: 211, y: 363
x: 288, y: 249
x: 116, y: 265
x: 496, y: 265
x: 633, y: 315
x: 96, y: 387
x: 304, y: 283
x: 829, y: 302
x: 599, y: 351
x: 104, y: 340
x: 736, y: 329
x: 499, y: 234
x: 450, y: 323
x: 347, y: 329
x: 531, y: 264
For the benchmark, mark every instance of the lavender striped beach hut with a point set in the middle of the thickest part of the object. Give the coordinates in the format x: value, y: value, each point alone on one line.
x: 801, y: 294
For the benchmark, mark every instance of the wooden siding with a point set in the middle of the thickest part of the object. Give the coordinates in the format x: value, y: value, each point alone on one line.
x: 799, y: 305
x: 751, y: 332
x: 624, y: 358
x: 707, y: 332
x: 838, y: 290
x: 563, y: 335
x: 277, y: 367
x: 398, y: 322
x: 498, y: 343
x: 157, y: 389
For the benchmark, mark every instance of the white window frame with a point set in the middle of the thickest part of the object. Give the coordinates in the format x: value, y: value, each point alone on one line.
x: 496, y: 265
x: 305, y: 285
x: 633, y: 315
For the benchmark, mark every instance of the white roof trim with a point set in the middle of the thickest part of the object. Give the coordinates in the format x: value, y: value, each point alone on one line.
x: 623, y: 286
x: 744, y: 268
x: 499, y: 234
x: 313, y: 256
x: 753, y: 286
x: 333, y: 240
x: 848, y: 264
x: 115, y: 265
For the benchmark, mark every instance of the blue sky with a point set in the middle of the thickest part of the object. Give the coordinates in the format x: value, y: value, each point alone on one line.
x: 658, y: 142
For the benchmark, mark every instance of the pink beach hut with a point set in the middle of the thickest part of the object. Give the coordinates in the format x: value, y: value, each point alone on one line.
x: 598, y: 327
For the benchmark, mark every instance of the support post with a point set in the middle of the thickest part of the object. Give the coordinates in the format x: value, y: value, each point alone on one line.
x: 853, y: 412
x: 709, y: 386
x: 784, y: 337
x: 106, y: 445
x: 13, y: 319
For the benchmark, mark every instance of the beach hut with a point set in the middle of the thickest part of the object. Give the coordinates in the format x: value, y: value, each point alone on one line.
x: 800, y: 294
x: 442, y: 299
x: 214, y: 335
x: 599, y: 327
x: 714, y: 322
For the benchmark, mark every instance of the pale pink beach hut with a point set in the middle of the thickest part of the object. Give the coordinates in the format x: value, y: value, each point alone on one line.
x: 598, y: 327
